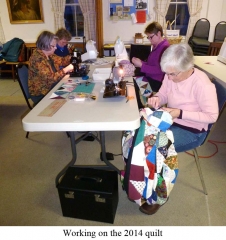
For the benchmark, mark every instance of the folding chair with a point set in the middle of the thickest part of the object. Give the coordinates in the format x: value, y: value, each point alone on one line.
x: 220, y: 32
x: 221, y: 96
x: 199, y: 38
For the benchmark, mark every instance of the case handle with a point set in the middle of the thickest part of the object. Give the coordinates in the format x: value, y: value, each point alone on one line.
x: 87, y: 178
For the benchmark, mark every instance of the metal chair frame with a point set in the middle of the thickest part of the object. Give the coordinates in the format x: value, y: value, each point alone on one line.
x: 199, y: 38
x: 221, y: 96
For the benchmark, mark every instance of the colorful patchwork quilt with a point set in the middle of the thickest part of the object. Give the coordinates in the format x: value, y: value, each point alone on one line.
x: 151, y: 164
x: 144, y: 86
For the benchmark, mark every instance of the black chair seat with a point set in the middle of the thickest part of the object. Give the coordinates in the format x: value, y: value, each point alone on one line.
x: 200, y: 42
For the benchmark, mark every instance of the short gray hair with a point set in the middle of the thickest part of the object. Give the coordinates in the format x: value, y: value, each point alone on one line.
x: 44, y: 40
x: 178, y: 56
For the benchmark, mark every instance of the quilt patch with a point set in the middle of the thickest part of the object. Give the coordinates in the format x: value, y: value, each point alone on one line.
x: 151, y: 163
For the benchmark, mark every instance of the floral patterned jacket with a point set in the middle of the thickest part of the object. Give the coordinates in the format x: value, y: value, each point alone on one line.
x: 41, y: 77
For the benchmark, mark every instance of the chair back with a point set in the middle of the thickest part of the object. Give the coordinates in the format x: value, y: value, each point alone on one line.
x: 221, y: 99
x: 221, y: 95
x: 220, y: 32
x: 22, y: 76
x: 201, y: 29
x: 214, y: 48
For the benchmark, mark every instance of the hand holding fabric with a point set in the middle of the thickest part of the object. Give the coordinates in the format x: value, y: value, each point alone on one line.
x: 174, y: 112
x: 154, y: 102
x: 137, y: 62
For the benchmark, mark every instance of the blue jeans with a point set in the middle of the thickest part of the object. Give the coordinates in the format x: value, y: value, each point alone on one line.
x: 185, y: 140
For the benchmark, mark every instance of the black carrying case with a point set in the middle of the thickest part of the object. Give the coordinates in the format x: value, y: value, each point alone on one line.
x: 89, y: 193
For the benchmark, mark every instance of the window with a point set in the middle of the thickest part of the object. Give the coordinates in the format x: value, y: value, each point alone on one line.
x: 178, y: 15
x: 73, y: 17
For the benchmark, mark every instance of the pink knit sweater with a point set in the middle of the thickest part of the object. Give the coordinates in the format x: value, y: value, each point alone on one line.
x: 195, y: 96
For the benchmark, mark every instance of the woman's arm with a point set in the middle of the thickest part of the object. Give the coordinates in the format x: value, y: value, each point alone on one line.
x: 208, y: 112
x: 161, y: 94
x: 207, y: 100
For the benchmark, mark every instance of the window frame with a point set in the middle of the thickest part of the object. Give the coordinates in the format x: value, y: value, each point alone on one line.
x: 99, y: 26
x: 175, y: 26
x: 75, y: 5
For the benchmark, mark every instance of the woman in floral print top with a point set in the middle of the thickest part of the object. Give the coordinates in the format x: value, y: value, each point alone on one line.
x: 44, y: 66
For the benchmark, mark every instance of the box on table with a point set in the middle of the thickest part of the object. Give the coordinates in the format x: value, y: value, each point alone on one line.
x: 89, y: 193
x: 101, y: 74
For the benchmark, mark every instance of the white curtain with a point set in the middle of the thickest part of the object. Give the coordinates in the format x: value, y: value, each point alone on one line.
x: 194, y: 8
x: 88, y: 10
x: 161, y: 8
x: 2, y: 35
x: 58, y: 10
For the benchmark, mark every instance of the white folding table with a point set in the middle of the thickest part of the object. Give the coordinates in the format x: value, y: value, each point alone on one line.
x: 102, y: 114
x: 213, y: 68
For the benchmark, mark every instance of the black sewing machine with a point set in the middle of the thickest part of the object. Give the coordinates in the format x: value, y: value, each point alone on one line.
x: 80, y: 71
x: 113, y: 90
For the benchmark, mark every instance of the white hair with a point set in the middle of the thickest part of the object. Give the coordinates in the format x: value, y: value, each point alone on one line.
x: 178, y: 56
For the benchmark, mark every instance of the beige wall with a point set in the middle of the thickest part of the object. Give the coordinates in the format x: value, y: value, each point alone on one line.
x: 27, y: 32
x: 214, y: 10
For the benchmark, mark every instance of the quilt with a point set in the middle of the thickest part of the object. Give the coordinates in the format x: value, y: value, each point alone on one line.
x: 151, y: 163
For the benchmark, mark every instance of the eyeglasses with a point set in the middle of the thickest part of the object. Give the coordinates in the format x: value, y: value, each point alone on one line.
x: 53, y: 46
x: 150, y: 37
x: 172, y: 74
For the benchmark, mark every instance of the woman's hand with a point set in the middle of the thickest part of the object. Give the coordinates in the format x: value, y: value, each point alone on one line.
x: 174, y: 112
x: 154, y: 102
x: 137, y: 62
x: 69, y: 68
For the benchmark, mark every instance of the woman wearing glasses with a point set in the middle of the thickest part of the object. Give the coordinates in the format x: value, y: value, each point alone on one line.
x: 190, y: 97
x: 151, y: 68
x: 191, y: 101
x: 44, y: 66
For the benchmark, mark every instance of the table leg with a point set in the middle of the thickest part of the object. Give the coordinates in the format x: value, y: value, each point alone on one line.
x: 103, y: 150
x: 74, y: 153
x: 74, y: 157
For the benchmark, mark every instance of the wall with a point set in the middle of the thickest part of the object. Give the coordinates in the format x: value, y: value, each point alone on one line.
x: 27, y: 32
x: 125, y: 29
x: 213, y: 10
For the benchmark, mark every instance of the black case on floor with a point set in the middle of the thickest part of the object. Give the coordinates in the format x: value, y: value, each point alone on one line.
x: 89, y: 193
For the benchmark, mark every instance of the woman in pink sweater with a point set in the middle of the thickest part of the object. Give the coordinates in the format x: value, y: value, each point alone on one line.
x: 190, y: 97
